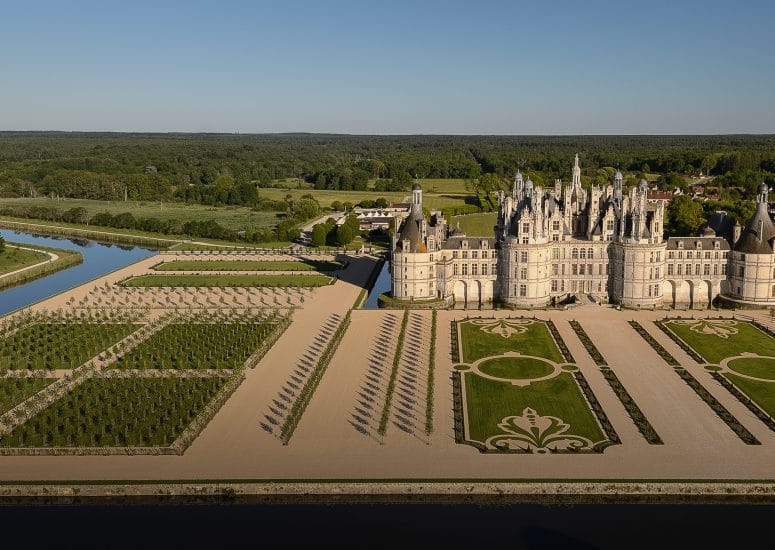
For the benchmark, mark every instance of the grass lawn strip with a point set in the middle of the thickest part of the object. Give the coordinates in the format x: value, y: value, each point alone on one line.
x: 248, y: 265
x: 267, y: 281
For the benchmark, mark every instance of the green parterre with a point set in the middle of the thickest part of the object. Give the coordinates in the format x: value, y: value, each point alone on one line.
x: 517, y: 392
x: 739, y: 355
x: 113, y: 406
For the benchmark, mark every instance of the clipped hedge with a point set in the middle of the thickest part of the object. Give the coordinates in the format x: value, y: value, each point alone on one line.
x: 393, y: 376
x: 431, y: 376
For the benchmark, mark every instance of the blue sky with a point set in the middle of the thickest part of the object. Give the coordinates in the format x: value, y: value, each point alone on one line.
x: 491, y: 67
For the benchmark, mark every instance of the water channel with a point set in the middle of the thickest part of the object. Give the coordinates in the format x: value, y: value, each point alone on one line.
x: 98, y: 259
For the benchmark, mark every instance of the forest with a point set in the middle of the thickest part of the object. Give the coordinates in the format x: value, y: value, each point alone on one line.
x: 231, y: 169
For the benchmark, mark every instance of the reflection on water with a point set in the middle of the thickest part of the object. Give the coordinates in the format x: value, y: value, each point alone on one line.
x: 98, y: 259
x: 382, y: 284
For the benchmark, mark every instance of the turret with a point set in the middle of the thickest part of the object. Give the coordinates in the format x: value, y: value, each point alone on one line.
x: 576, y: 177
x: 618, y: 179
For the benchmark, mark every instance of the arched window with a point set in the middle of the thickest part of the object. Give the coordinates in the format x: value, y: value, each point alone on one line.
x: 590, y: 253
x: 574, y: 254
x: 583, y: 255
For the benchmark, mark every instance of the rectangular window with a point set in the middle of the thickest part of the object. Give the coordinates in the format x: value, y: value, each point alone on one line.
x: 651, y: 273
x: 589, y: 269
x: 465, y: 254
x: 563, y: 269
x: 575, y: 269
x: 680, y: 254
x: 581, y: 269
x: 649, y: 291
x: 465, y: 269
x: 715, y: 269
x: 574, y: 286
x: 651, y: 258
x: 688, y: 254
x: 555, y: 238
x: 525, y: 228
x: 599, y: 269
x: 554, y: 285
x: 484, y: 269
x: 555, y: 253
x: 696, y: 269
x: 670, y: 255
x: 474, y: 269
x: 454, y: 254
x: 523, y: 273
x: 707, y: 254
x: 583, y: 254
x: 555, y: 225
x: 680, y: 268
x: 523, y: 290
x: 454, y: 269
x: 485, y: 255
x: 609, y: 225
x: 525, y: 240
x: 706, y: 269
x: 562, y: 285
x: 669, y: 269
x: 741, y: 271
x: 523, y: 256
x: 688, y: 269
x: 659, y: 255
x: 474, y: 255
x: 555, y: 269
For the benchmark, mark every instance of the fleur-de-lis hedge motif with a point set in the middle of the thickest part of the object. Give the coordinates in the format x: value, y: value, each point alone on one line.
x: 723, y: 328
x: 536, y: 433
x: 503, y: 327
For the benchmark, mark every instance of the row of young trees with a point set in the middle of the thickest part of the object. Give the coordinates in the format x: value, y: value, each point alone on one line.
x: 329, y: 233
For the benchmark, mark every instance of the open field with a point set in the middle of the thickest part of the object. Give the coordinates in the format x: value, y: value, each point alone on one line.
x: 231, y: 217
x: 337, y: 437
x: 227, y: 281
x: 476, y: 225
x: 248, y: 265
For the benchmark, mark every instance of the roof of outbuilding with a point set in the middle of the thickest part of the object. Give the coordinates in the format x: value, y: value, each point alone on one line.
x: 690, y: 243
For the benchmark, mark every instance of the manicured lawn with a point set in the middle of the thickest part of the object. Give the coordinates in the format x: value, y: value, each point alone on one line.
x: 15, y: 390
x: 489, y: 401
x: 755, y: 366
x: 248, y: 265
x: 228, y: 281
x: 59, y: 345
x: 476, y: 225
x: 762, y: 393
x: 326, y: 197
x: 518, y: 368
x: 714, y: 348
x: 12, y: 258
x: 105, y: 412
x: 536, y: 341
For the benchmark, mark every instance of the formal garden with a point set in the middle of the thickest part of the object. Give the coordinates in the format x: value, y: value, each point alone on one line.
x: 517, y: 389
x: 130, y: 385
x: 738, y: 354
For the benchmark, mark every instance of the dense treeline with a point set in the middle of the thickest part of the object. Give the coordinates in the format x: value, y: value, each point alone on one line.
x: 225, y: 169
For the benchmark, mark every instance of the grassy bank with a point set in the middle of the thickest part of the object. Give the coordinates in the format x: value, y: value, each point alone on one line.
x: 248, y: 265
x: 67, y: 258
x: 13, y: 258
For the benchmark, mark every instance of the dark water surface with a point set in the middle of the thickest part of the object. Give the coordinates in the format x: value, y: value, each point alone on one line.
x: 402, y: 526
x: 381, y: 284
x: 98, y: 259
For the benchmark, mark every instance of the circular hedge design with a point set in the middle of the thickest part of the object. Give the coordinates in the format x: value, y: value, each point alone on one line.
x: 516, y: 368
x: 758, y: 367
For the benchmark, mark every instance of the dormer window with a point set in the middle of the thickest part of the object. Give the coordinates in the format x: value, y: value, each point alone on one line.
x: 680, y: 244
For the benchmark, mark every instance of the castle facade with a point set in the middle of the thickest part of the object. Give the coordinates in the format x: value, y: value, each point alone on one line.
x: 603, y: 242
